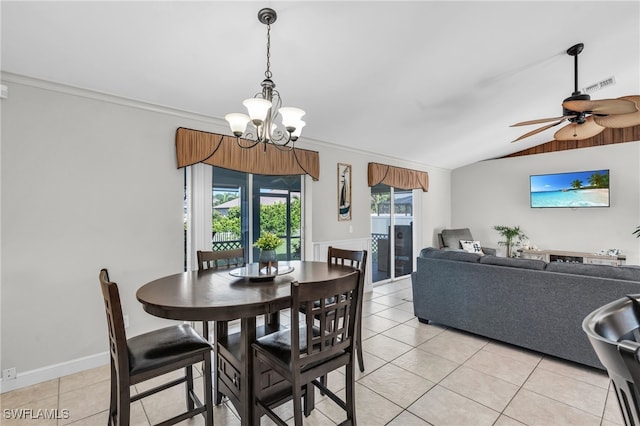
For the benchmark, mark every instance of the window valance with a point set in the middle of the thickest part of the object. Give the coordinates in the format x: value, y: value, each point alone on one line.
x: 195, y: 146
x: 398, y: 177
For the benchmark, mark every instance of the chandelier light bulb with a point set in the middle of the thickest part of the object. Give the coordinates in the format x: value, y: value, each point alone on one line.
x: 238, y: 123
x: 258, y: 109
x: 291, y: 117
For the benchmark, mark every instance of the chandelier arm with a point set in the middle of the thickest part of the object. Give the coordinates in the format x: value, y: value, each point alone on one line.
x: 279, y: 136
x: 284, y: 146
x: 278, y: 102
x: 245, y: 146
x: 257, y: 135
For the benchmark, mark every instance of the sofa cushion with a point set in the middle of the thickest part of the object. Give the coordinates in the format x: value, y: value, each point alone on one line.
x: 602, y: 271
x: 514, y: 262
x: 451, y: 237
x: 461, y: 256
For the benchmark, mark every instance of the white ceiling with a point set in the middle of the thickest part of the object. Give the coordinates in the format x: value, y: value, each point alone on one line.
x: 432, y: 82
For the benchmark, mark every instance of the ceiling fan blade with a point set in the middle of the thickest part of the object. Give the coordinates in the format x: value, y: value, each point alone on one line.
x: 602, y: 106
x: 622, y: 120
x: 538, y: 121
x: 541, y: 129
x: 577, y: 132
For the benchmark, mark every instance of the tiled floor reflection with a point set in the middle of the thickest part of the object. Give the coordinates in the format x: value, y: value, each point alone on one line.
x: 416, y: 374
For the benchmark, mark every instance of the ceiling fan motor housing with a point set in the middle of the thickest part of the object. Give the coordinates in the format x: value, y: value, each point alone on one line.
x: 575, y: 96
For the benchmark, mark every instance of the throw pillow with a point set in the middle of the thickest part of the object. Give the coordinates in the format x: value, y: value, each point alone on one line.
x: 471, y: 246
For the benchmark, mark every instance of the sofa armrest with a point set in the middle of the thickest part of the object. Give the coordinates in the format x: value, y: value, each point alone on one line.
x: 487, y: 250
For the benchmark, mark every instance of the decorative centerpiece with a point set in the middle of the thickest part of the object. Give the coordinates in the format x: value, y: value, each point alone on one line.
x: 267, y: 243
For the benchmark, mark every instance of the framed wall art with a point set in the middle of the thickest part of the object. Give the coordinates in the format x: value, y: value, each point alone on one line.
x: 344, y: 191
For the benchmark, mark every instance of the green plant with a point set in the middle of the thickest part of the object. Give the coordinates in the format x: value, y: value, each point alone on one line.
x: 512, y: 235
x: 268, y: 241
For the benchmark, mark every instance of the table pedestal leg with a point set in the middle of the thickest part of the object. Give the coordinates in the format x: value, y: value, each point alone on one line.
x: 272, y: 322
x: 221, y: 330
x: 248, y: 336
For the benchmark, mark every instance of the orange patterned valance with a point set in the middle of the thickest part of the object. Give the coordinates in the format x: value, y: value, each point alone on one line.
x: 195, y: 146
x: 398, y: 177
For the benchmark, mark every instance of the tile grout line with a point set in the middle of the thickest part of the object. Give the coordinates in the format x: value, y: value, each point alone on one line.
x: 502, y: 413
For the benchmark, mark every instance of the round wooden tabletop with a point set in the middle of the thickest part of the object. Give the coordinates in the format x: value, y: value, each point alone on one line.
x: 215, y: 295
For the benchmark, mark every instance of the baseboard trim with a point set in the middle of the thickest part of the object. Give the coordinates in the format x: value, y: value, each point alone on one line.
x: 54, y: 371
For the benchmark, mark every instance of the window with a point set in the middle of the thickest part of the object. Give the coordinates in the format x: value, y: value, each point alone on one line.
x: 277, y: 205
x: 242, y: 207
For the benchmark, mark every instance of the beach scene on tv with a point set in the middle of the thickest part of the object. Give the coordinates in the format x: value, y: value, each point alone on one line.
x: 575, y: 189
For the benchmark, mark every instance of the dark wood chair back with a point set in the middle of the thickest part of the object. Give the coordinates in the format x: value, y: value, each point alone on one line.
x: 333, y: 304
x: 220, y: 259
x: 115, y: 324
x: 356, y: 259
x: 212, y: 260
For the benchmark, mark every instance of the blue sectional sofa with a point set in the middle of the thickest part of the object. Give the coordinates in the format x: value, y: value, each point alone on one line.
x: 528, y: 303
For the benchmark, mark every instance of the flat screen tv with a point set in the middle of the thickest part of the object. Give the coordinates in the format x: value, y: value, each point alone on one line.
x: 573, y: 189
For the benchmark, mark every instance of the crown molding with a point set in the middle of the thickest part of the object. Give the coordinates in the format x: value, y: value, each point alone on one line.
x: 303, y: 142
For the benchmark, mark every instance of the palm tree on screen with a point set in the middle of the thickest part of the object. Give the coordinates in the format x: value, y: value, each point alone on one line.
x: 598, y: 181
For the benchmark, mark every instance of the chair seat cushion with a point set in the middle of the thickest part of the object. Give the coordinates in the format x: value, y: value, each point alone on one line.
x: 163, y: 347
x: 278, y: 345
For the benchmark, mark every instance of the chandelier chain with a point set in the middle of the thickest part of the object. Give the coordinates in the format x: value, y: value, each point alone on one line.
x: 267, y: 73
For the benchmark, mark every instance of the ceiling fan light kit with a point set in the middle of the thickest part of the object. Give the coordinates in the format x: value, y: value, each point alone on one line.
x: 587, y: 118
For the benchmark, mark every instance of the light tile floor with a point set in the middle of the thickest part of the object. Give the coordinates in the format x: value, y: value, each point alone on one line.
x: 416, y: 374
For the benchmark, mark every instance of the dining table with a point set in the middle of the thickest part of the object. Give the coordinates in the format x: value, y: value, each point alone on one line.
x: 237, y: 294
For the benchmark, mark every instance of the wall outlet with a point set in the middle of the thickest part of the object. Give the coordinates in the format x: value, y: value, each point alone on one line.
x: 126, y: 320
x: 9, y: 374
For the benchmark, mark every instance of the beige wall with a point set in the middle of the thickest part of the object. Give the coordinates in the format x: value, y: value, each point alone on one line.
x: 496, y: 192
x: 89, y: 181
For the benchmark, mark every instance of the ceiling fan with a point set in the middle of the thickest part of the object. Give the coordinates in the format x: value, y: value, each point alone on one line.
x: 587, y: 118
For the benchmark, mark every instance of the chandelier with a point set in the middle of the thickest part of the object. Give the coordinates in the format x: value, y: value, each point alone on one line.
x: 260, y: 125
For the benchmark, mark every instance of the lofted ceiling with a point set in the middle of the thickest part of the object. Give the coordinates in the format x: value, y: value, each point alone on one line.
x: 432, y: 82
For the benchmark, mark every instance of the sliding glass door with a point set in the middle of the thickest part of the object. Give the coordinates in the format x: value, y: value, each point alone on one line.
x: 391, y: 232
x: 230, y: 219
x: 277, y: 209
x: 245, y: 206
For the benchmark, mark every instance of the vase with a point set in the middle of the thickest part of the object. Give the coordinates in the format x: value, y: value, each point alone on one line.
x: 267, y: 256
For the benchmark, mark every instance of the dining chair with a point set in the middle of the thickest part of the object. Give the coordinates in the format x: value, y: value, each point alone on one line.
x: 218, y: 259
x: 356, y: 259
x: 150, y: 355
x: 311, y: 348
x: 214, y: 260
